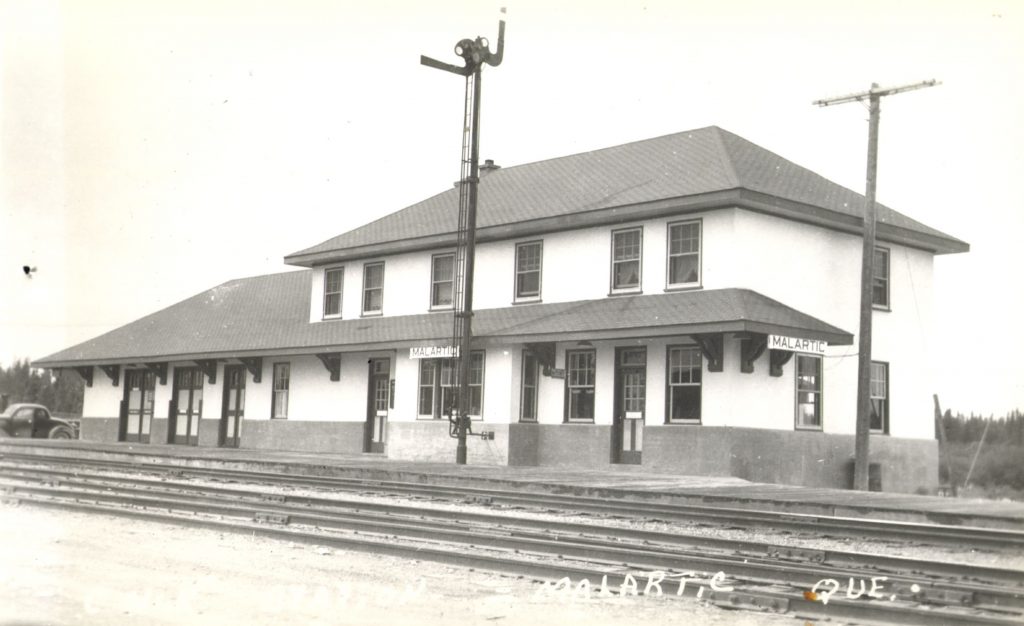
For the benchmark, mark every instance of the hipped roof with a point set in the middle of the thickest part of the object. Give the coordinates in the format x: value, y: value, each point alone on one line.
x: 693, y: 170
x: 268, y: 315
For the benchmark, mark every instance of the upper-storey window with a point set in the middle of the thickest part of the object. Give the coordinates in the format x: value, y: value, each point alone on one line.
x: 880, y: 279
x: 334, y: 278
x: 373, y: 288
x: 684, y: 254
x: 442, y: 281
x: 808, y: 391
x: 528, y: 259
x: 626, y: 251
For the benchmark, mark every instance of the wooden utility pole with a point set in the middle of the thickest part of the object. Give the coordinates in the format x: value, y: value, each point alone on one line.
x: 863, y: 427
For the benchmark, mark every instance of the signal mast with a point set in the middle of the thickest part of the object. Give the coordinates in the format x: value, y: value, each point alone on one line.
x: 475, y: 53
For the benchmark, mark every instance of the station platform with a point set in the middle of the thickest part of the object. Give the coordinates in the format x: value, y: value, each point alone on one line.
x: 624, y: 482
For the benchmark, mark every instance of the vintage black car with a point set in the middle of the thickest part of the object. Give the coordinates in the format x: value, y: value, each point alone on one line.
x: 34, y: 421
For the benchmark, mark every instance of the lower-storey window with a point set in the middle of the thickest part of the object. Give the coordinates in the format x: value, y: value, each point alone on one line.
x: 579, y: 385
x: 684, y: 384
x: 439, y: 386
x: 808, y: 391
x: 879, y: 397
x: 528, y: 398
x: 282, y: 374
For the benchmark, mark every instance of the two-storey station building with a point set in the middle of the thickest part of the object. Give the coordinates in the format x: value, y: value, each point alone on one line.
x: 686, y: 303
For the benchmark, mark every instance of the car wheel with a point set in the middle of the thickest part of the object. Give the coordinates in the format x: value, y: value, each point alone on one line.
x: 61, y: 432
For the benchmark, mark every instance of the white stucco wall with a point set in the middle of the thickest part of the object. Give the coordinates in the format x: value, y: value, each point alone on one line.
x: 817, y: 271
x: 576, y: 266
x: 809, y: 268
x: 103, y: 399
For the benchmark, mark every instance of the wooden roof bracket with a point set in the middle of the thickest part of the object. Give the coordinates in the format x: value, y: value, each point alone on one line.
x: 254, y: 365
x: 85, y: 372
x: 545, y: 353
x: 113, y: 372
x: 159, y: 370
x: 331, y: 361
x: 712, y: 345
x: 751, y: 349
x: 777, y: 359
x: 208, y: 367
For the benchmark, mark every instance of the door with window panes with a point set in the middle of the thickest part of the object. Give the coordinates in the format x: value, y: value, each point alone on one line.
x: 379, y: 396
x: 234, y: 406
x: 630, y: 404
x: 137, y: 406
x: 186, y: 406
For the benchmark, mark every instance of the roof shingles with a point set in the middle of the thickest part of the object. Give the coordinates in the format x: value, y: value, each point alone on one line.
x: 680, y: 165
x: 270, y: 313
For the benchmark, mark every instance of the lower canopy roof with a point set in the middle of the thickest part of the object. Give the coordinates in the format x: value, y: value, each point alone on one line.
x: 269, y: 315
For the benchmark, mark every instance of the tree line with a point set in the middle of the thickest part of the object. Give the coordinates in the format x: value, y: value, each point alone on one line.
x: 1000, y: 462
x: 62, y: 394
x: 968, y: 429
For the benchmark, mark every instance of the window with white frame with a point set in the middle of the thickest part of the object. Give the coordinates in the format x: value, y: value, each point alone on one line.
x: 580, y: 372
x: 626, y: 252
x: 808, y: 391
x: 439, y: 386
x: 684, y: 254
x: 879, y: 387
x: 528, y: 397
x: 528, y: 262
x: 373, y: 288
x: 442, y: 281
x: 880, y: 279
x: 684, y: 384
x: 334, y: 279
x: 282, y: 374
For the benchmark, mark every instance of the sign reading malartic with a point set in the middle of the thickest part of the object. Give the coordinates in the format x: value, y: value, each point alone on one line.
x: 796, y: 344
x: 434, y: 352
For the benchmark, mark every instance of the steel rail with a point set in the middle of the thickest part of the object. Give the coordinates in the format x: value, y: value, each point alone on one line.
x: 892, y: 611
x: 935, y: 534
x: 649, y: 556
x: 749, y: 549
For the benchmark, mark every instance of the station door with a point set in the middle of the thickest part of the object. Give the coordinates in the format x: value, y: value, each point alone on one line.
x: 378, y: 400
x: 186, y: 407
x: 630, y: 402
x: 137, y: 406
x: 234, y: 406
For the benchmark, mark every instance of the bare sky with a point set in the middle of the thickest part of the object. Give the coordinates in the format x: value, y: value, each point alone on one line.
x: 151, y: 150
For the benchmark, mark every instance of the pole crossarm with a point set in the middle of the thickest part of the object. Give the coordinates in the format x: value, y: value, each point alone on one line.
x: 876, y: 92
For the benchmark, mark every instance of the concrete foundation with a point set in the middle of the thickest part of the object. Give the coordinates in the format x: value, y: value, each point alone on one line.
x: 810, y: 459
x: 428, y: 440
x: 299, y: 436
x: 209, y: 432
x: 158, y: 430
x: 98, y: 429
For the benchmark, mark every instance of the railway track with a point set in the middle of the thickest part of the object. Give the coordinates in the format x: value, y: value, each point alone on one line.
x: 969, y: 537
x: 750, y: 575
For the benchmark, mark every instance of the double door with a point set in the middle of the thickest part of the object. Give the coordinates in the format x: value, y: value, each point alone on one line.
x: 234, y: 406
x: 136, y: 417
x: 186, y: 407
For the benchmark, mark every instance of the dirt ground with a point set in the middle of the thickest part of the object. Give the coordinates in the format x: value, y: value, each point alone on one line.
x: 67, y: 568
